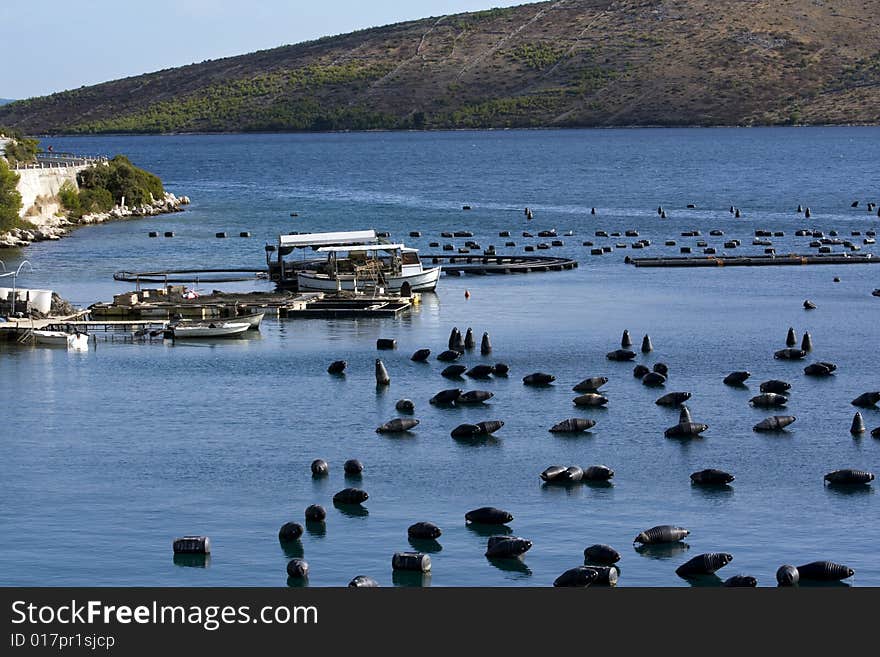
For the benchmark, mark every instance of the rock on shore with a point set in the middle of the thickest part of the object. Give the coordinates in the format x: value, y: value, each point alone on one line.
x: 56, y: 227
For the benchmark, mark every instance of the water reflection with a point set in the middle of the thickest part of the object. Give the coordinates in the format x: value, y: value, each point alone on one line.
x: 486, y: 531
x: 298, y: 582
x: 699, y: 581
x: 662, y: 551
x: 409, y: 578
x: 479, y: 441
x: 292, y: 549
x: 845, y: 490
x: 427, y: 545
x: 316, y: 528
x: 510, y: 565
x: 192, y: 560
x: 712, y: 490
x: 351, y: 510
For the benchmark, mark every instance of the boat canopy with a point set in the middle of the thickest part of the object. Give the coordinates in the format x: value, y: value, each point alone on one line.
x: 326, y: 239
x: 364, y: 247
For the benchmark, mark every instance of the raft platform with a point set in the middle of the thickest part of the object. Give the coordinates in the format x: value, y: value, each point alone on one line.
x: 482, y: 265
x: 346, y: 306
x: 791, y: 259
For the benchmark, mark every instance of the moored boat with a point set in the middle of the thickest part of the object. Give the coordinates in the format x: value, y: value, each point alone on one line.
x: 218, y: 329
x: 74, y: 340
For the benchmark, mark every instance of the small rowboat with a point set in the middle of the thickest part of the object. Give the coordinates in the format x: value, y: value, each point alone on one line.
x: 208, y: 330
x: 75, y: 341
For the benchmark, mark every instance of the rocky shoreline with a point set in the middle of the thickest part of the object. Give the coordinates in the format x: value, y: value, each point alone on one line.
x: 58, y: 226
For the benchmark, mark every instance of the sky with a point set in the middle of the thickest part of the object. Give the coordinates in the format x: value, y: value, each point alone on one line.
x: 65, y: 44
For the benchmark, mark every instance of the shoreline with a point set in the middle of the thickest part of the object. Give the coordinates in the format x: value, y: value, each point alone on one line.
x: 449, y: 130
x: 54, y: 227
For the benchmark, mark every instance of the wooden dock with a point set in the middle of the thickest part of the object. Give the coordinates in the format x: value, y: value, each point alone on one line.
x: 791, y: 259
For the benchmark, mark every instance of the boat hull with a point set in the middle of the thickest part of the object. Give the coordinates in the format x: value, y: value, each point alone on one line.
x: 218, y: 330
x: 74, y: 341
x: 424, y: 281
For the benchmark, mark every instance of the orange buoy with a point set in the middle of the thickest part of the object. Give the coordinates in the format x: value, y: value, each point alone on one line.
x: 467, y: 294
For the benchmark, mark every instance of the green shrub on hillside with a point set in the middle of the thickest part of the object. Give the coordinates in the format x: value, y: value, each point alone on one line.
x: 22, y: 151
x: 121, y: 180
x: 10, y: 199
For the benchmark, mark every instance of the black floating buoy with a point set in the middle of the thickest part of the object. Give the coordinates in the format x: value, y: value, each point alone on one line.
x: 315, y: 513
x: 465, y: 207
x: 791, y: 338
x: 854, y: 204
x: 290, y: 531
x: 807, y: 213
x: 809, y: 305
x: 320, y: 468
x: 469, y: 342
x: 646, y: 344
x: 353, y: 467
x: 382, y: 377
x: 153, y: 233
x: 593, y: 211
x: 807, y: 342
x: 858, y: 425
x: 192, y: 545
x: 386, y: 343
x: 416, y: 561
x: 485, y: 345
x: 337, y: 367
x: 625, y: 341
x: 244, y: 233
x: 363, y: 581
x: 737, y: 214
x: 297, y: 569
x: 220, y: 235
x: 169, y: 233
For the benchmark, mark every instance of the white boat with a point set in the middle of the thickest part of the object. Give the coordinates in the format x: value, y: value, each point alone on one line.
x: 388, y: 267
x: 218, y: 329
x: 355, y: 261
x: 253, y: 319
x: 74, y: 341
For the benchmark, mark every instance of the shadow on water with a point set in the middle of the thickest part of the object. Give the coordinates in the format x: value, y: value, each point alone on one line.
x: 292, y: 549
x: 427, y: 545
x: 409, y: 578
x: 510, y: 565
x: 351, y: 510
x: 192, y: 560
x: 316, y: 528
x: 662, y: 551
x: 486, y: 531
x: 353, y: 476
x: 298, y: 582
x: 699, y: 581
x: 845, y: 490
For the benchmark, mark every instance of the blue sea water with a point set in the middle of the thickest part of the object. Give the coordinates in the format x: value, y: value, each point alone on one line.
x: 109, y: 455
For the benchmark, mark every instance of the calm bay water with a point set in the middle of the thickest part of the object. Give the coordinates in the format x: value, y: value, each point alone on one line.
x: 108, y: 455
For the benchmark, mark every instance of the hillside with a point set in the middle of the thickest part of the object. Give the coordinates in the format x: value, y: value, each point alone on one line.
x: 563, y: 63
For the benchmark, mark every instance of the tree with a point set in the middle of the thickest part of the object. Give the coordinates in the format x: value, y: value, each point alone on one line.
x: 10, y: 199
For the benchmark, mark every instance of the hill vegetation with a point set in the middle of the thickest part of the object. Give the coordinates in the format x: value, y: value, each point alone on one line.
x: 561, y: 63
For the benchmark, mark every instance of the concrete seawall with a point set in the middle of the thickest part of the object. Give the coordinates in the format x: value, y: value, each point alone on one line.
x: 39, y: 189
